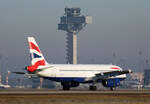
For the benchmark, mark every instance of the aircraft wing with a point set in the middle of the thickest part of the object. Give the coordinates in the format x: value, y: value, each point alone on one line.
x: 107, y: 75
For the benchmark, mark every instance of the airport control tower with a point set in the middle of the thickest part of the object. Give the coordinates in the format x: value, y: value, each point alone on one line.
x: 72, y: 22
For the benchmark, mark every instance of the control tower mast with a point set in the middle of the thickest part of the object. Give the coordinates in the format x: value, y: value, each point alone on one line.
x: 72, y: 22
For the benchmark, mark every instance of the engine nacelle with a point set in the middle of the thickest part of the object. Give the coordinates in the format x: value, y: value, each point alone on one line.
x: 111, y: 83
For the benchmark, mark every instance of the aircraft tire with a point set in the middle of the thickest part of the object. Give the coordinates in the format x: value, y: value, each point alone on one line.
x: 92, y: 88
x: 112, y: 88
x: 65, y: 85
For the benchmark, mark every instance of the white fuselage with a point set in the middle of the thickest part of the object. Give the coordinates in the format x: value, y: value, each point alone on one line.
x: 77, y: 71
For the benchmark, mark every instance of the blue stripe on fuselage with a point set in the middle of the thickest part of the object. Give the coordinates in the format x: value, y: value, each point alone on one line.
x: 66, y: 79
x: 75, y: 79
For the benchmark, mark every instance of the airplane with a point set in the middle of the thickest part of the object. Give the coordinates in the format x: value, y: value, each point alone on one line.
x: 71, y: 75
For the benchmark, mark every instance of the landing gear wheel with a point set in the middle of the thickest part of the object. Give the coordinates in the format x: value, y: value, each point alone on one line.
x: 92, y: 88
x: 66, y: 88
x: 112, y: 88
x: 65, y: 85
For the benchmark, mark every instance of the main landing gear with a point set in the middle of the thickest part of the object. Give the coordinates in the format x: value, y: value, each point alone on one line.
x: 112, y: 88
x: 66, y: 85
x: 92, y: 88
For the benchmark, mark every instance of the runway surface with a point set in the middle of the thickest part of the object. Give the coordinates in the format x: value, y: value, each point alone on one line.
x: 51, y: 92
x: 74, y: 97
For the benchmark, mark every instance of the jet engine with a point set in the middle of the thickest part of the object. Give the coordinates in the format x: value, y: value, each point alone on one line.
x: 111, y: 83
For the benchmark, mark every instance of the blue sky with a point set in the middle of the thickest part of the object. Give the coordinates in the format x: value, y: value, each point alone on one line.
x: 119, y: 26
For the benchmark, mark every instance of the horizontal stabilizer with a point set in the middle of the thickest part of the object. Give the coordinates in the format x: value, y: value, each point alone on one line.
x: 19, y: 72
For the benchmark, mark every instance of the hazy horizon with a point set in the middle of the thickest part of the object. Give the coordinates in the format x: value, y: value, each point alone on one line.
x: 120, y: 27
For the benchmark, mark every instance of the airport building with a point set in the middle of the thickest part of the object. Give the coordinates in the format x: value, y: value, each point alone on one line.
x: 147, y: 77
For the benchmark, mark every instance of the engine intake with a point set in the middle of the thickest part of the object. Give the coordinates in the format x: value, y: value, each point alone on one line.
x: 111, y: 83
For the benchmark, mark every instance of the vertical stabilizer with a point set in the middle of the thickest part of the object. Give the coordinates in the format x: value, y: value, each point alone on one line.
x: 37, y: 58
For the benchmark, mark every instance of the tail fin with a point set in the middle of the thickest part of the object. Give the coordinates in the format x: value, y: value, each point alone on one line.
x: 37, y: 58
